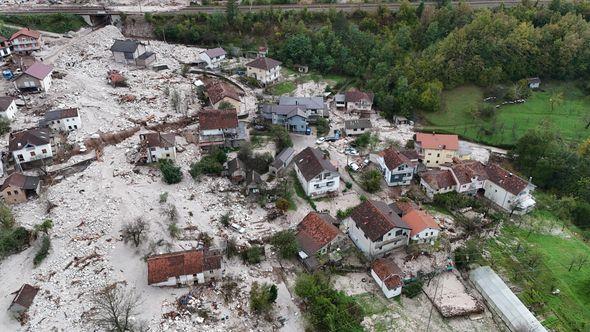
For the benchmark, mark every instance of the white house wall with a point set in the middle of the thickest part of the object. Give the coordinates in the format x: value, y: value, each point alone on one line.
x: 10, y: 111
x: 389, y: 293
x: 26, y: 153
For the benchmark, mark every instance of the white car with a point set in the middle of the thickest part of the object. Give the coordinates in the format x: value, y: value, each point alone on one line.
x: 351, y: 152
x: 353, y: 166
x: 238, y: 228
x: 320, y: 140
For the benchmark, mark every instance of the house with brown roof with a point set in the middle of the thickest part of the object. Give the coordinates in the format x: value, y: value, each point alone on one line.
x: 30, y: 145
x: 502, y: 187
x: 316, y: 173
x: 66, y: 119
x: 23, y: 299
x: 397, y: 168
x: 223, y: 93
x: 264, y: 69
x: 317, y: 236
x: 7, y: 107
x: 158, y: 146
x: 436, y: 149
x: 437, y: 181
x: 388, y: 276
x: 36, y: 78
x: 282, y: 161
x: 220, y: 128
x: 376, y: 228
x: 25, y: 41
x: 18, y: 188
x: 195, y: 266
x: 358, y: 101
x: 424, y: 228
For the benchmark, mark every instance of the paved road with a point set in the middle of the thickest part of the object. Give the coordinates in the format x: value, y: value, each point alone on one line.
x: 100, y: 10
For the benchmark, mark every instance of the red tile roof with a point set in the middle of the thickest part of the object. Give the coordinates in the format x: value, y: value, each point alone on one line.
x: 166, y: 140
x: 26, y: 32
x: 376, y: 219
x: 218, y: 119
x: 388, y: 272
x: 354, y: 96
x: 189, y: 262
x: 438, y: 141
x: 315, y: 231
x: 505, y: 179
x: 438, y: 179
x: 263, y: 63
x: 393, y: 158
x: 419, y: 220
x: 216, y: 91
x: 467, y: 170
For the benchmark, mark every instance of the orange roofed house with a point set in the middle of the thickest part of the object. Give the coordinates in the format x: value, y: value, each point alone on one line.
x: 436, y: 149
x: 220, y: 127
x: 317, y: 236
x: 184, y: 267
x: 25, y: 41
x: 388, y: 276
x: 424, y: 227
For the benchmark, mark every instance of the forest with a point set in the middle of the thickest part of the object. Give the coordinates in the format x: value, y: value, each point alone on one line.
x: 407, y: 58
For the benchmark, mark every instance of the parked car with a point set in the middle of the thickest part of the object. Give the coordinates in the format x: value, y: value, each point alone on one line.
x: 354, y: 166
x: 238, y: 228
x: 320, y: 140
x: 351, y: 151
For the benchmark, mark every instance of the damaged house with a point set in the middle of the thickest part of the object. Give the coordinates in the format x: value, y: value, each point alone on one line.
x: 212, y: 57
x: 132, y: 52
x: 23, y: 299
x: 376, y: 228
x: 158, y: 146
x: 355, y: 101
x: 67, y: 119
x: 220, y: 93
x: 36, y: 78
x: 25, y: 41
x: 18, y: 188
x: 220, y: 128
x: 30, y: 145
x: 436, y: 149
x: 188, y: 267
x: 7, y: 107
x: 316, y: 237
x: 424, y: 228
x: 282, y: 161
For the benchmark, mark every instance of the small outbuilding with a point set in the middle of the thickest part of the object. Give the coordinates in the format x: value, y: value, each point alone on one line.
x: 534, y: 82
x: 282, y: 160
x: 18, y: 188
x: 23, y: 299
x: 388, y: 277
x: 35, y: 79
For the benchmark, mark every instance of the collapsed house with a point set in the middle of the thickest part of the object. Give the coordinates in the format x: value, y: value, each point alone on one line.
x: 23, y: 299
x: 220, y: 128
x: 317, y: 238
x: 18, y: 188
x: 133, y: 52
x: 67, y: 119
x: 188, y: 267
x: 157, y: 146
x: 30, y: 145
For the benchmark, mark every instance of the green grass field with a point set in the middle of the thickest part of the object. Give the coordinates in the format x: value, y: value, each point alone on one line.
x: 539, y: 263
x: 282, y: 88
x: 512, y: 121
x: 58, y: 23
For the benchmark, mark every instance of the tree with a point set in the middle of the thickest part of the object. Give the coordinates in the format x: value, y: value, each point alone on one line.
x: 135, y: 231
x: 115, y: 308
x: 322, y: 125
x: 262, y: 296
x: 43, y: 250
x: 371, y: 180
x: 231, y: 11
x: 281, y: 137
x: 285, y: 243
x: 224, y: 105
x: 282, y: 204
x: 4, y: 126
x: 171, y: 173
x: 252, y: 255
x: 44, y: 227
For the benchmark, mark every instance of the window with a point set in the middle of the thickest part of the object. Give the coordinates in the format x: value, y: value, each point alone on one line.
x: 32, y: 153
x: 16, y: 192
x: 43, y: 150
x: 438, y: 154
x: 398, y: 233
x: 326, y: 175
x: 330, y: 183
x: 9, y: 193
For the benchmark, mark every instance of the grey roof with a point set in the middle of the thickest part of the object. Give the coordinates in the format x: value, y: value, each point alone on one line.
x: 512, y: 311
x: 125, y: 46
x: 263, y: 63
x: 19, y: 180
x: 357, y: 124
x: 215, y: 52
x: 35, y: 137
x: 5, y: 103
x: 145, y: 55
x: 312, y: 162
x: 286, y: 110
x: 282, y: 157
x: 340, y: 98
x: 308, y: 102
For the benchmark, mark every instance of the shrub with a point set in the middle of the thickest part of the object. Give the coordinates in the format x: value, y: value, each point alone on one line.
x: 412, y: 289
x: 282, y: 204
x: 44, y: 227
x: 4, y: 126
x: 163, y: 197
x: 371, y: 180
x: 284, y: 242
x: 348, y: 185
x: 343, y: 214
x: 171, y: 173
x: 281, y: 137
x: 322, y: 125
x: 43, y: 250
x: 255, y: 161
x: 252, y: 255
x: 211, y: 164
x: 231, y: 248
x: 13, y: 240
x: 262, y: 296
x: 225, y: 219
x: 467, y: 254
x: 174, y: 230
x: 135, y: 231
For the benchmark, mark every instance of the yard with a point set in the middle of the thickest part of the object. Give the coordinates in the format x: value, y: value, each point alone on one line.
x: 282, y: 88
x: 539, y: 262
x: 569, y: 116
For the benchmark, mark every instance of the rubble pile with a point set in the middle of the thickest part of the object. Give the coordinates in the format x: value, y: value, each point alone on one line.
x: 450, y: 297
